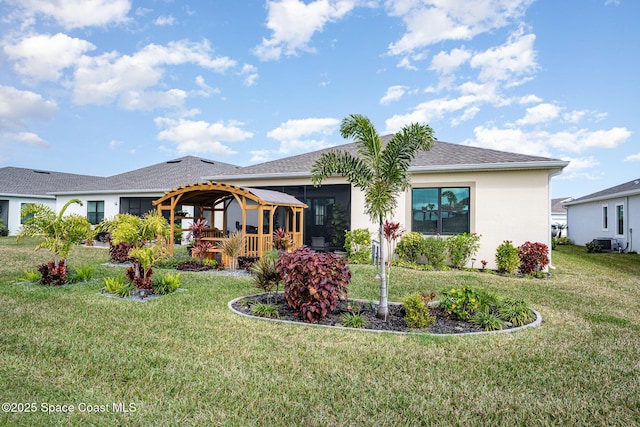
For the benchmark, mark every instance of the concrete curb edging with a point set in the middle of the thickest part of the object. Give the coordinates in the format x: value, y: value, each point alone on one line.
x: 533, y: 324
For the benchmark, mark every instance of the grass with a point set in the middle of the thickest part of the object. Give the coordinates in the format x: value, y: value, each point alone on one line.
x: 185, y: 359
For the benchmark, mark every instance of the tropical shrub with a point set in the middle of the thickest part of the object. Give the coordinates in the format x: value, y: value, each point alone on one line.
x: 417, y: 312
x: 166, y: 284
x: 461, y: 248
x: 313, y: 282
x: 4, y: 231
x: 435, y: 251
x: 487, y: 320
x: 516, y: 312
x: 232, y: 246
x: 593, y: 247
x: 534, y: 257
x: 358, y: 245
x: 265, y: 273
x: 80, y: 274
x: 120, y: 252
x: 50, y: 274
x: 118, y: 286
x: 59, y: 232
x: 281, y: 240
x: 507, y: 258
x: 410, y: 246
x: 462, y: 303
x: 32, y: 276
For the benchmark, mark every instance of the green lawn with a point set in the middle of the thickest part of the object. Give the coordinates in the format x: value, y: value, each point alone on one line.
x: 185, y: 359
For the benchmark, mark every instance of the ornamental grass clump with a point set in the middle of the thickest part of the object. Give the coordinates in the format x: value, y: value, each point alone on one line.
x: 314, y: 282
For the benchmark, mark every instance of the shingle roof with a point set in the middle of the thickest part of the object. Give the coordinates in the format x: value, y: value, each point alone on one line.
x: 161, y: 176
x: 32, y: 182
x: 557, y: 205
x: 628, y: 188
x: 443, y: 155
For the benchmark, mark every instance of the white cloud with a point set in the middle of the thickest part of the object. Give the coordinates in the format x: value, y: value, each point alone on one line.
x: 541, y: 143
x: 259, y: 156
x: 579, y: 168
x: 541, y: 113
x: 164, y: 21
x: 77, y: 13
x: 582, y: 139
x: 430, y: 22
x: 24, y: 137
x: 18, y: 106
x: 250, y: 74
x: 105, y: 78
x: 511, y: 62
x: 511, y: 140
x: 632, y: 158
x: 192, y: 136
x: 44, y: 57
x: 529, y: 99
x: 135, y: 100
x: 114, y: 143
x: 205, y: 89
x: 445, y: 62
x: 406, y: 64
x: 394, y: 93
x: 299, y: 135
x: 293, y: 23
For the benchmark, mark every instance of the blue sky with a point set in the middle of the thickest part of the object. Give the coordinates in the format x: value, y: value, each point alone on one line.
x: 107, y: 86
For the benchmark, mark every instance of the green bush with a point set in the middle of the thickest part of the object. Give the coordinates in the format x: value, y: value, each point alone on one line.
x: 118, y: 286
x: 461, y: 248
x: 487, y: 320
x: 265, y: 310
x: 32, y: 276
x: 410, y: 246
x: 464, y: 302
x: 417, y: 312
x: 435, y: 250
x: 516, y: 312
x: 166, y: 283
x: 358, y: 246
x: 507, y: 258
x: 80, y: 274
x: 353, y: 320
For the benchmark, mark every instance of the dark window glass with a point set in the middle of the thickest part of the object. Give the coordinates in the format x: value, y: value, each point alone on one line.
x: 440, y: 210
x: 95, y: 212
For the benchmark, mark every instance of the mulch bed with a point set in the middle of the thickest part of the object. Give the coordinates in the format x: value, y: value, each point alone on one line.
x: 395, y: 322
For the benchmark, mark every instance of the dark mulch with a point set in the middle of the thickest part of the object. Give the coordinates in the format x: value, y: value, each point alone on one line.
x: 395, y: 322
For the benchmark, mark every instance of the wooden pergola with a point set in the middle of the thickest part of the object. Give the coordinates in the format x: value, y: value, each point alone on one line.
x: 215, y: 198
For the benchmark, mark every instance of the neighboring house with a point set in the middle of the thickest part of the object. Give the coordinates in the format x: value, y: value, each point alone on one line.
x: 608, y: 215
x: 454, y: 189
x: 20, y: 186
x: 133, y: 192
x: 559, y: 211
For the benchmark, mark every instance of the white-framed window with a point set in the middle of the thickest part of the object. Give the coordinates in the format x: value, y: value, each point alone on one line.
x: 605, y: 217
x: 620, y: 219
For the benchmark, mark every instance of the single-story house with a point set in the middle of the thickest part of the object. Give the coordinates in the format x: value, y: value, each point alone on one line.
x: 454, y: 189
x: 609, y: 216
x: 20, y: 186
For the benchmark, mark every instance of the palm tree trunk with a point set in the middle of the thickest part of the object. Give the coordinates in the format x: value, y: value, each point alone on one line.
x: 383, y: 309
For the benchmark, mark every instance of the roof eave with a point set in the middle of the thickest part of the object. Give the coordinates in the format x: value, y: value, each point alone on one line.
x: 79, y: 192
x: 635, y: 192
x: 31, y: 196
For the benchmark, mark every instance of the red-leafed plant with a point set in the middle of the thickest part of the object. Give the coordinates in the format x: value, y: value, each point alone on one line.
x: 142, y: 280
x: 281, y: 240
x: 52, y: 275
x: 119, y: 252
x: 314, y: 282
x: 534, y: 257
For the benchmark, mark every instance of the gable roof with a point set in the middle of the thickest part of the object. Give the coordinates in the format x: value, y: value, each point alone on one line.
x: 158, y: 177
x: 557, y: 205
x: 22, y: 182
x: 443, y: 156
x: 627, y: 189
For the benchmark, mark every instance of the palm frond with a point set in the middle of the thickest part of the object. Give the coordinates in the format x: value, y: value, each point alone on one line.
x: 364, y: 134
x: 341, y: 163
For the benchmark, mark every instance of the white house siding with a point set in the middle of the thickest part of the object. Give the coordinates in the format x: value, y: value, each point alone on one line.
x: 13, y: 204
x: 111, y: 203
x: 586, y: 222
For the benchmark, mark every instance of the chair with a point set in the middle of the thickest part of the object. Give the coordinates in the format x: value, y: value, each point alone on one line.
x: 319, y: 245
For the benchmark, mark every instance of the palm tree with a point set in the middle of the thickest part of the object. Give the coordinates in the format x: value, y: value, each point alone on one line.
x: 380, y: 171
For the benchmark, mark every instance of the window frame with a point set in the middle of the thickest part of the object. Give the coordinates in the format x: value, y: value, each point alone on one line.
x: 605, y: 217
x: 96, y: 212
x: 440, y: 209
x: 620, y: 219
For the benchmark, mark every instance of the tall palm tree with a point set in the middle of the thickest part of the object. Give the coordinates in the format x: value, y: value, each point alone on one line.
x: 380, y: 171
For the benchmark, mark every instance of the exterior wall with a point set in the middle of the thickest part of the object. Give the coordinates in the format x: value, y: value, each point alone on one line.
x: 585, y: 221
x: 13, y: 206
x: 111, y: 203
x: 504, y: 205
